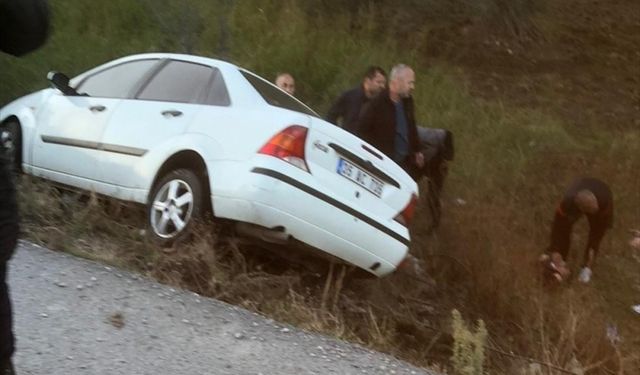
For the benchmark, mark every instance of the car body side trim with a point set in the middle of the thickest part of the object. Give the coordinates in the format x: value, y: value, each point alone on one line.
x: 94, y: 145
x: 309, y: 190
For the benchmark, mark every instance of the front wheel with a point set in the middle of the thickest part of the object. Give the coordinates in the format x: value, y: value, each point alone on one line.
x: 176, y: 201
x: 11, y: 145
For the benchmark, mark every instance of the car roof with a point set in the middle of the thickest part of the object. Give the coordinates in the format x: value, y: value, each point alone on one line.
x: 220, y: 64
x: 176, y: 56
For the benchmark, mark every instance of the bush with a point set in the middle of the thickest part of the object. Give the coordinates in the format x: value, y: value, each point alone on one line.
x: 468, y: 346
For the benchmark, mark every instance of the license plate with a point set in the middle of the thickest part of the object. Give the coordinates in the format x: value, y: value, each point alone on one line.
x: 360, y: 177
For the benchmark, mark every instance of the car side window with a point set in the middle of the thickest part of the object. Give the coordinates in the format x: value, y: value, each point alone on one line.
x: 218, y: 94
x: 274, y: 96
x: 180, y: 81
x: 117, y: 81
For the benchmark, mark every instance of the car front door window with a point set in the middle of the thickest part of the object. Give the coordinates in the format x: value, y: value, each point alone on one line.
x: 117, y: 81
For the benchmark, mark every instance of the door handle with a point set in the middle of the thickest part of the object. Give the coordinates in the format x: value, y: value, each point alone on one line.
x: 171, y: 113
x: 97, y: 108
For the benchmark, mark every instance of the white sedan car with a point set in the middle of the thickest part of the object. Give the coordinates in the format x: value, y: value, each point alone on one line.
x: 184, y: 135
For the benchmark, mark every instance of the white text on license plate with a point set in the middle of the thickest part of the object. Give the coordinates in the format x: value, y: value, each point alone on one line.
x: 360, y: 177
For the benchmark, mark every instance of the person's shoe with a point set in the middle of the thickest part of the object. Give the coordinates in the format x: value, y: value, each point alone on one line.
x: 585, y: 275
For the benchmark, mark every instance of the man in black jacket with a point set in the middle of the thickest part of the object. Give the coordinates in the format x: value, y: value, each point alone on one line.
x: 346, y: 110
x: 586, y: 196
x: 24, y: 26
x: 388, y: 122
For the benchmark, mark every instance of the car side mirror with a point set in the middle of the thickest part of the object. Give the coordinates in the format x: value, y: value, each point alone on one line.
x: 61, y: 82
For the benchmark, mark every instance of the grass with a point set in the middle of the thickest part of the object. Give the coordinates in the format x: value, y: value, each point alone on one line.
x: 512, y: 164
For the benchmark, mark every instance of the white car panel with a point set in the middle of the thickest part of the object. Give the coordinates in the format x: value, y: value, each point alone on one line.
x: 328, y: 143
x: 301, y: 207
x: 137, y: 127
x: 25, y: 110
x: 71, y: 128
x: 242, y: 132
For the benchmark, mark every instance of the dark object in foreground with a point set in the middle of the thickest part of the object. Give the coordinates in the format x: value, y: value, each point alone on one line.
x: 24, y: 26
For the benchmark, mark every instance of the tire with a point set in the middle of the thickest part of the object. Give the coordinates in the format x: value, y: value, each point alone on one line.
x: 175, y: 202
x: 11, y: 145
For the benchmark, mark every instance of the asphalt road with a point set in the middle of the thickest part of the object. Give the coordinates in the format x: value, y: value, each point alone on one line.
x: 74, y: 316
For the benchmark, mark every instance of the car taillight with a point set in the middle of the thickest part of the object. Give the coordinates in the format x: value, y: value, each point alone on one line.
x: 406, y: 215
x: 288, y: 145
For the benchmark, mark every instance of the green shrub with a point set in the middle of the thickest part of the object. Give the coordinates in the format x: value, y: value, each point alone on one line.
x: 468, y: 346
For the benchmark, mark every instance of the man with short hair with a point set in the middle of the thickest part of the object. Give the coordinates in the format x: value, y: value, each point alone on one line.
x: 286, y: 82
x: 346, y: 109
x: 388, y: 122
x: 586, y: 196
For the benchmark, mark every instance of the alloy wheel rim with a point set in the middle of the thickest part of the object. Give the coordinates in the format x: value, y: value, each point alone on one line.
x: 7, y: 142
x: 172, y: 208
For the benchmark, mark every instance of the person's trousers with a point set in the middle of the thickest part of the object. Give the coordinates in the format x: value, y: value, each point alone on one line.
x: 6, y: 331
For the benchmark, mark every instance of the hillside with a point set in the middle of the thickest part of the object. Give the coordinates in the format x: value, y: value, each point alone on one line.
x: 579, y: 59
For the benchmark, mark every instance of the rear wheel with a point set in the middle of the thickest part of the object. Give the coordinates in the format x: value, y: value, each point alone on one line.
x: 176, y: 200
x: 11, y: 145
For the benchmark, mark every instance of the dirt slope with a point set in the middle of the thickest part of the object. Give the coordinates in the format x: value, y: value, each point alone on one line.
x: 577, y: 58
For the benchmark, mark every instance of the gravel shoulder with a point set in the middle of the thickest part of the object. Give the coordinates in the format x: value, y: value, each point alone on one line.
x: 74, y: 316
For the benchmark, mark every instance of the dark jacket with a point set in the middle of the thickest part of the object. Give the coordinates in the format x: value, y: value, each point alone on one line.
x: 567, y: 213
x: 377, y: 125
x: 8, y: 211
x: 347, y: 108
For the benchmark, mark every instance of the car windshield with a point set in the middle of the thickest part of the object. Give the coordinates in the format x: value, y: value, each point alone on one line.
x: 276, y: 97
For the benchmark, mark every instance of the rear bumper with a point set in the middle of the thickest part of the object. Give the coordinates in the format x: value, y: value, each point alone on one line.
x: 270, y: 198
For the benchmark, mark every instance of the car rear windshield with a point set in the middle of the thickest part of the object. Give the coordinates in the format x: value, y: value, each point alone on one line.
x: 275, y: 96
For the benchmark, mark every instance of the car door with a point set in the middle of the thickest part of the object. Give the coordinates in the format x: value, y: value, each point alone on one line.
x: 146, y: 126
x: 68, y: 137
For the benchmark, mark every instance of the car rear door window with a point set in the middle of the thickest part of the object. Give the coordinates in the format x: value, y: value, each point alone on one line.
x: 274, y: 96
x: 116, y: 81
x: 182, y: 82
x: 218, y: 94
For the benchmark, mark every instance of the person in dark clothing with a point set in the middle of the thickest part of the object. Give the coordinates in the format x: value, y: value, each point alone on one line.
x: 24, y: 26
x: 388, y: 122
x: 346, y: 109
x: 438, y: 150
x: 593, y: 198
x: 8, y: 239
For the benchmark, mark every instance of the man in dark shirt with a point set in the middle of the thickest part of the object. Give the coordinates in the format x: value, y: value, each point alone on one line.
x: 346, y: 110
x: 388, y: 122
x: 593, y: 198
